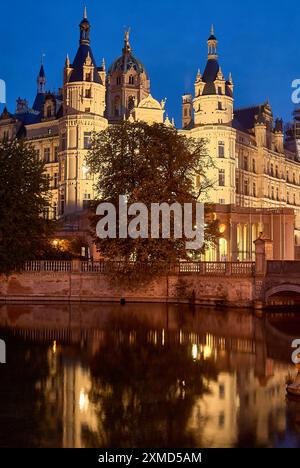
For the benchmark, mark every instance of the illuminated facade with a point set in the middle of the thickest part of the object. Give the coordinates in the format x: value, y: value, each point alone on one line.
x: 60, y: 125
x: 254, y: 166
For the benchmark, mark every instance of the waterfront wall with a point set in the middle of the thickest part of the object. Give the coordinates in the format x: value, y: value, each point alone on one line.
x: 220, y: 284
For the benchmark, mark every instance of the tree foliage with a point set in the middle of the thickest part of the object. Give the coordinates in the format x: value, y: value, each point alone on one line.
x: 24, y: 199
x: 149, y: 164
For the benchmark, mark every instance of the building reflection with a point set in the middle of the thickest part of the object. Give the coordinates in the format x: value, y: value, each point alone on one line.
x: 240, y: 402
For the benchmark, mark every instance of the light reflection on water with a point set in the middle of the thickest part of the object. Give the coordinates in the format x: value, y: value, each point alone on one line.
x: 103, y: 375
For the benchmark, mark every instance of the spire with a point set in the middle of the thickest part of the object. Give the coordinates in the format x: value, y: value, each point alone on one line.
x: 85, y: 28
x: 212, y: 44
x: 41, y: 80
x: 127, y: 46
x: 67, y: 63
x: 103, y: 64
x: 198, y: 77
x: 230, y: 78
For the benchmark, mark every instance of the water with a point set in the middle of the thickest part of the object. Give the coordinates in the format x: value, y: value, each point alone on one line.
x: 104, y: 375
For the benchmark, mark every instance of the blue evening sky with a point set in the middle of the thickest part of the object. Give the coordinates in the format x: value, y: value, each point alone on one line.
x: 259, y: 42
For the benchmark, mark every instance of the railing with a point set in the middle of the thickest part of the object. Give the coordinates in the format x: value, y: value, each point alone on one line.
x: 200, y: 268
x: 218, y: 268
x: 48, y: 265
x: 287, y: 267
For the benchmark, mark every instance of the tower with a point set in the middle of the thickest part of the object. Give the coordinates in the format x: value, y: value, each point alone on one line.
x: 82, y: 114
x: 213, y: 102
x: 41, y: 90
x: 41, y: 81
x: 127, y: 84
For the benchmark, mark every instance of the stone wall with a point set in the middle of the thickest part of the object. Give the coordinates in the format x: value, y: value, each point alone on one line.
x: 70, y: 286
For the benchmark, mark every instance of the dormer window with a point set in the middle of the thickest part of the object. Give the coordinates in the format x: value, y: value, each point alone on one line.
x: 131, y: 80
x: 88, y: 77
x: 219, y: 90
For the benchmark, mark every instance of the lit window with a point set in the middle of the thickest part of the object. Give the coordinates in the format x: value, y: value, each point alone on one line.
x: 47, y: 155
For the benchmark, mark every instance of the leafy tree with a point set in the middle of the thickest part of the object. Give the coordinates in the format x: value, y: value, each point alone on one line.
x: 24, y: 200
x: 148, y: 164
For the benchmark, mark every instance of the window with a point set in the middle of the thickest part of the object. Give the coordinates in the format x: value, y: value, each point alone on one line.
x: 64, y: 141
x: 5, y: 135
x: 119, y: 80
x: 55, y: 180
x: 287, y: 176
x: 49, y: 111
x: 117, y: 106
x: 221, y: 392
x: 185, y: 112
x: 237, y: 184
x: 288, y: 198
x: 49, y: 131
x: 221, y: 419
x: 277, y: 194
x: 221, y: 177
x: 38, y: 154
x: 87, y: 140
x: 131, y: 80
x: 246, y: 187
x: 253, y: 166
x: 221, y: 149
x: 131, y: 102
x: 87, y: 110
x: 272, y: 170
x: 276, y: 172
x: 295, y: 199
x: 62, y: 204
x: 86, y: 200
x: 88, y: 77
x: 246, y: 163
x: 272, y: 193
x: 56, y: 154
x: 88, y: 93
x: 219, y: 90
x: 294, y: 178
x: 220, y: 106
x: 47, y: 155
x: 54, y: 210
x: 254, y: 189
x: 221, y: 201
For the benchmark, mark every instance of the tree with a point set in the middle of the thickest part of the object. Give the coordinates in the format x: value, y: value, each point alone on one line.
x: 149, y: 164
x: 24, y: 200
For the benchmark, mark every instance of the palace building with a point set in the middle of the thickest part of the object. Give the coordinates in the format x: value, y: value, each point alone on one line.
x: 256, y: 170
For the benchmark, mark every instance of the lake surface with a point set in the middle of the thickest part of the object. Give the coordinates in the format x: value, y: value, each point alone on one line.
x: 140, y: 375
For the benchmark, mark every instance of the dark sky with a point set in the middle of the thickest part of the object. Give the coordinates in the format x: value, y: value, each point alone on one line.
x: 259, y: 42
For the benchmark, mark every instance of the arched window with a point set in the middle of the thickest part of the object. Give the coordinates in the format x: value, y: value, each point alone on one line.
x: 117, y: 106
x: 131, y: 80
x: 131, y: 101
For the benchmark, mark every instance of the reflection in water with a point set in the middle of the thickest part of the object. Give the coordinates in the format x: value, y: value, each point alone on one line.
x: 93, y: 375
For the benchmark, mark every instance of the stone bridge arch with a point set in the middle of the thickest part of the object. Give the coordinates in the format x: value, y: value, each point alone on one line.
x: 282, y: 288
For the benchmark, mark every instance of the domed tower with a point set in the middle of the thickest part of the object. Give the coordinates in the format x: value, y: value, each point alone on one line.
x: 213, y: 103
x: 127, y: 84
x: 82, y: 114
